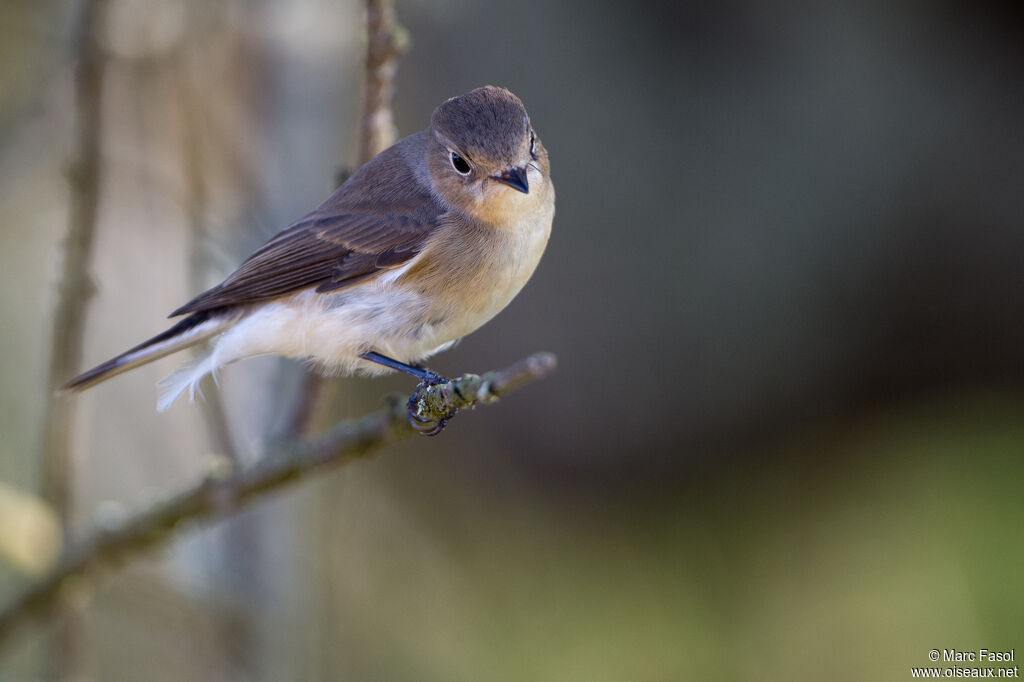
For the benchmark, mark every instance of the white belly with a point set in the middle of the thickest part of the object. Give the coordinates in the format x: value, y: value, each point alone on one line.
x: 388, y: 314
x: 403, y: 313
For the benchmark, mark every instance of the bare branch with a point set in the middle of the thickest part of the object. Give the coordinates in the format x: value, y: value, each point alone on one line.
x: 385, y: 43
x: 196, y: 193
x: 84, y: 175
x: 227, y: 489
x: 76, y: 286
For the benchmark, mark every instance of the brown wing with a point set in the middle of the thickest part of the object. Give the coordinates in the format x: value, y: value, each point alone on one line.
x: 365, y: 227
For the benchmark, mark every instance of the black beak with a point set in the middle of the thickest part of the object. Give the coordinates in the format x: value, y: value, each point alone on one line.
x: 515, y: 178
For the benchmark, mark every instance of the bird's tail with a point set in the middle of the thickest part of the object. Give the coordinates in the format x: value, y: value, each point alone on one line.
x: 185, y: 378
x: 190, y: 331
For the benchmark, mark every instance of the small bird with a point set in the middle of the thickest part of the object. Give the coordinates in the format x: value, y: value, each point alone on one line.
x: 421, y: 246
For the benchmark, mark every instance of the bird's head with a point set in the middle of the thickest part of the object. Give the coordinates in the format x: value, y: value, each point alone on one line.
x: 485, y: 157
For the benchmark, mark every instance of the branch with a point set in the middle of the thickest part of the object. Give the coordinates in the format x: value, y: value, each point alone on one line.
x: 194, y: 171
x: 385, y: 43
x: 76, y: 287
x: 226, y: 490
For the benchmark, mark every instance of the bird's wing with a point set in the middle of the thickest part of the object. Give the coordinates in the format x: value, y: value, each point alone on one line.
x: 336, y: 245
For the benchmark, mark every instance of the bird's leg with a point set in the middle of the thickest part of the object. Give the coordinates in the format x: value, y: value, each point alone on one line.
x: 427, y: 378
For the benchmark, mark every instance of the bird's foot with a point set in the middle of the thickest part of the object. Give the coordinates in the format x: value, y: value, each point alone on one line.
x: 426, y: 427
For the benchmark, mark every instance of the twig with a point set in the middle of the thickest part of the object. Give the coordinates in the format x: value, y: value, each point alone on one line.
x: 227, y: 489
x: 84, y: 174
x: 195, y: 207
x: 385, y: 43
x: 76, y: 286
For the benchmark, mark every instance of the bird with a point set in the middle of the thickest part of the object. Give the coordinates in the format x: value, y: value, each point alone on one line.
x: 421, y: 246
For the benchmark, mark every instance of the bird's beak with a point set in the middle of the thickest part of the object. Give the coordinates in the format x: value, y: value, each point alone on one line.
x: 515, y: 178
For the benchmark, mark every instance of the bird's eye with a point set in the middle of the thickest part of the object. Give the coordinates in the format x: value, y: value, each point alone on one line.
x: 533, y: 145
x: 460, y: 165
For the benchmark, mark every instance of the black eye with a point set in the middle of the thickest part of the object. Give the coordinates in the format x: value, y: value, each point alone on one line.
x: 460, y: 165
x: 533, y: 146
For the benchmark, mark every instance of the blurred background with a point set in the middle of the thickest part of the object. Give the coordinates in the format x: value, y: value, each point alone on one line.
x: 784, y: 285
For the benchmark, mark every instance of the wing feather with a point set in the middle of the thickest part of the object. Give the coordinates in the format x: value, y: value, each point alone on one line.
x: 365, y: 227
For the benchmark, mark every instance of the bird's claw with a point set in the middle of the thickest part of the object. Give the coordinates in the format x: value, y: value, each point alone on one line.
x: 426, y: 427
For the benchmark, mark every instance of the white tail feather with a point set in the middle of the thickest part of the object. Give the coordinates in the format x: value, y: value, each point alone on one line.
x: 185, y: 378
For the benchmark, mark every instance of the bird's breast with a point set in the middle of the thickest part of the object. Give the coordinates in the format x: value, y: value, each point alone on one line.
x: 470, y: 271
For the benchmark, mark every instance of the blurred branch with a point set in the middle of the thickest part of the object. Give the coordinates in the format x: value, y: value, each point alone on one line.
x: 385, y: 42
x: 227, y: 488
x: 76, y: 286
x: 84, y: 175
x: 196, y: 199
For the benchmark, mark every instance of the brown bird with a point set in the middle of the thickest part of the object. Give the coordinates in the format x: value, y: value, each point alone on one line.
x: 421, y: 246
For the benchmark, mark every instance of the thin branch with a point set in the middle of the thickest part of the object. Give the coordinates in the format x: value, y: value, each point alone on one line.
x: 76, y: 285
x: 227, y: 489
x: 196, y: 200
x: 84, y: 175
x: 385, y: 43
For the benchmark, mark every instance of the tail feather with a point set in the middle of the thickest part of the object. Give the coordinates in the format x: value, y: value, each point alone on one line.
x: 188, y: 332
x: 185, y: 378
